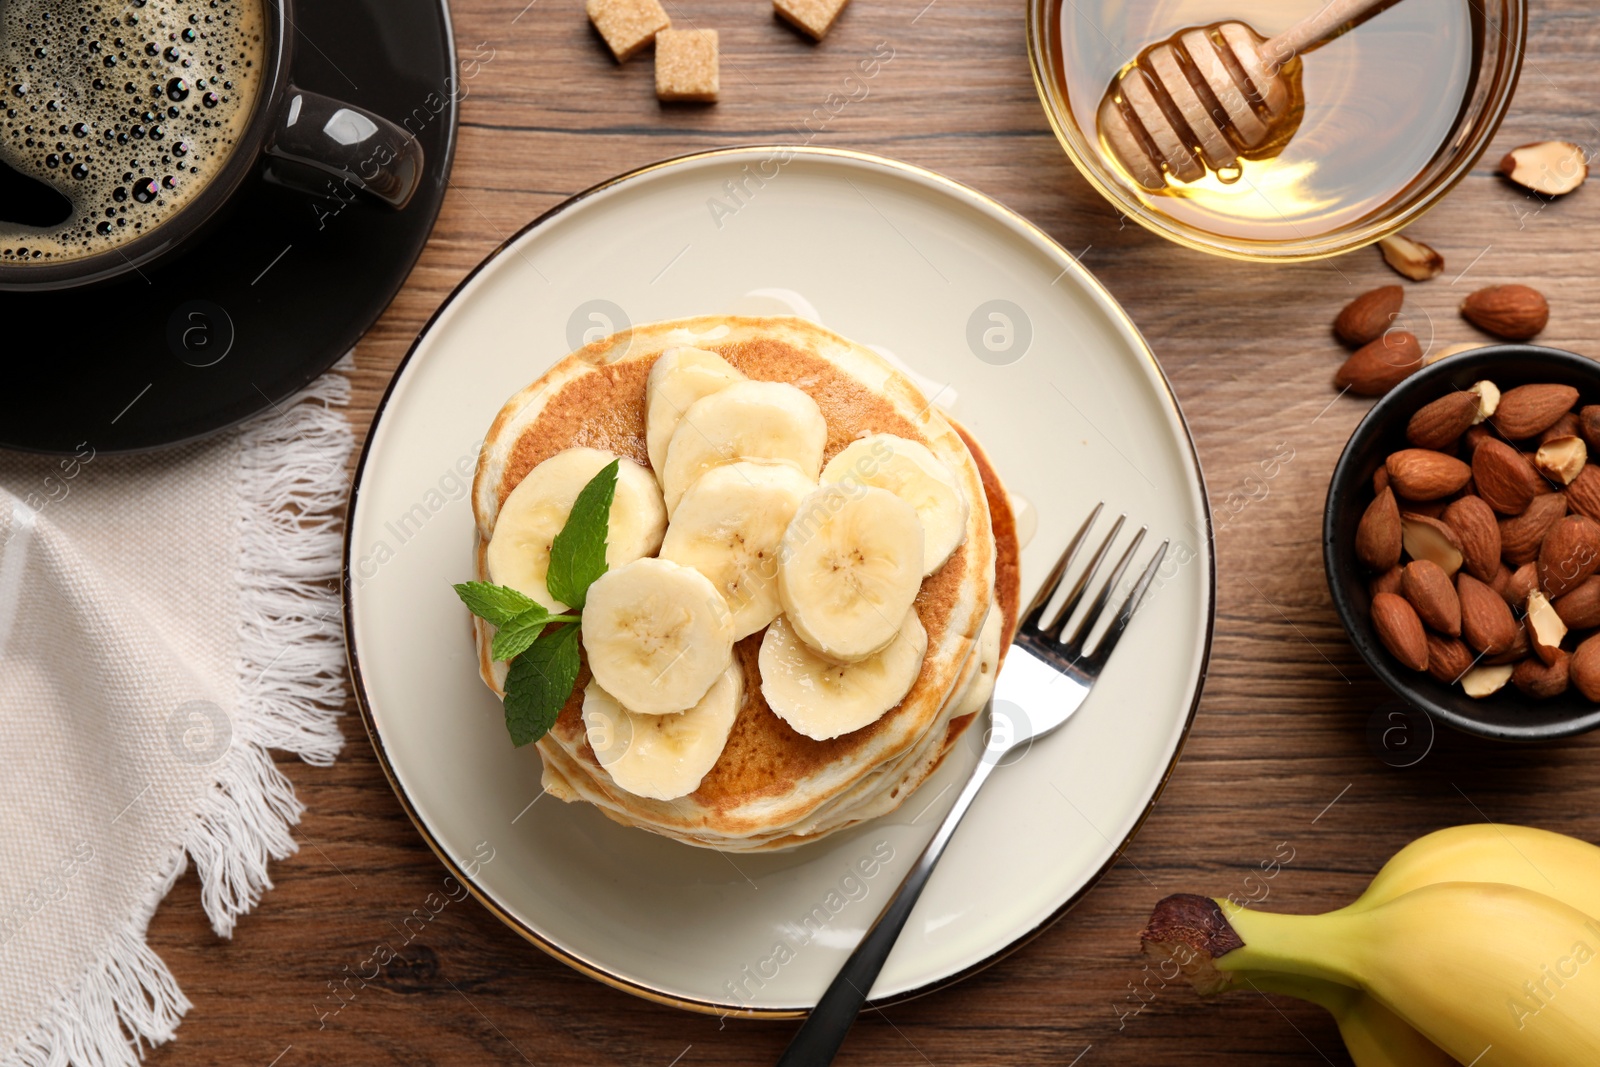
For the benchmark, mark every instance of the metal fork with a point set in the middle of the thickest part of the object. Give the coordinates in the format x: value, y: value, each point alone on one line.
x: 1043, y: 682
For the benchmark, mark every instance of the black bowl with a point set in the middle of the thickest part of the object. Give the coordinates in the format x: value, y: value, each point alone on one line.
x: 1507, y: 715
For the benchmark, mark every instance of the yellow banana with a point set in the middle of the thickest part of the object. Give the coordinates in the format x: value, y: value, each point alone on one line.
x: 1549, y: 863
x: 1373, y: 1035
x: 1493, y: 974
x: 1558, y: 866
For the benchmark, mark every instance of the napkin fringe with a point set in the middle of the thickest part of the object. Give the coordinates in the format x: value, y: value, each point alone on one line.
x: 290, y: 688
x: 127, y: 1001
x: 291, y: 669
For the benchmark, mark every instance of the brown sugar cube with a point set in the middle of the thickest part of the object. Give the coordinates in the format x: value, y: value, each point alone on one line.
x: 627, y: 25
x: 686, y: 65
x: 813, y: 17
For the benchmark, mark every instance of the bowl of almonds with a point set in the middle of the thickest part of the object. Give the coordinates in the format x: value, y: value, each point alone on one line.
x: 1462, y: 541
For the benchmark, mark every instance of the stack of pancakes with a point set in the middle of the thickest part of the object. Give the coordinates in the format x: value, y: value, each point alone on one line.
x: 772, y: 787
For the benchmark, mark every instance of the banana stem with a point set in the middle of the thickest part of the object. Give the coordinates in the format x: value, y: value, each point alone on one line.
x: 1209, y: 940
x: 1311, y: 946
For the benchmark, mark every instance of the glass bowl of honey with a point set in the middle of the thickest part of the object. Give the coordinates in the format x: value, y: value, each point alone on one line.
x: 1387, y: 117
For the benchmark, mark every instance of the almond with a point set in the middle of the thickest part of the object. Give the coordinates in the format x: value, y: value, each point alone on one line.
x: 1562, y: 459
x: 1473, y: 438
x: 1486, y: 621
x: 1479, y: 535
x: 1524, y: 580
x: 1425, y: 584
x: 1364, y: 319
x: 1411, y: 257
x: 1423, y: 474
x: 1448, y: 658
x: 1438, y: 424
x: 1584, y: 668
x: 1488, y: 395
x: 1514, y: 312
x: 1521, y: 536
x: 1485, y: 681
x: 1566, y: 426
x: 1400, y: 630
x: 1502, y: 584
x: 1505, y: 479
x: 1378, y: 537
x: 1521, y: 648
x: 1380, y: 479
x: 1583, y: 495
x: 1589, y: 424
x: 1580, y: 608
x: 1389, y: 582
x: 1546, y: 631
x: 1428, y: 538
x: 1375, y: 368
x: 1529, y: 410
x: 1570, y: 553
x: 1550, y: 168
x: 1543, y: 680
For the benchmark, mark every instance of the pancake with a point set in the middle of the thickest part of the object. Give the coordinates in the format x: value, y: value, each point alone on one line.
x: 772, y: 787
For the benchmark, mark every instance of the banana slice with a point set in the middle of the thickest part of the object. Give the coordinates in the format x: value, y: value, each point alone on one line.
x: 662, y: 757
x: 823, y: 699
x: 729, y: 526
x: 913, y: 473
x: 747, y: 420
x: 679, y: 378
x: 537, y: 509
x: 657, y: 634
x: 850, y: 566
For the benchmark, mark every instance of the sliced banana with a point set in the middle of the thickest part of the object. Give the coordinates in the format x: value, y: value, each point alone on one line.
x: 662, y: 757
x: 913, y: 473
x: 823, y: 699
x: 657, y: 634
x: 537, y: 509
x: 747, y: 420
x: 851, y: 564
x: 679, y: 378
x: 729, y: 527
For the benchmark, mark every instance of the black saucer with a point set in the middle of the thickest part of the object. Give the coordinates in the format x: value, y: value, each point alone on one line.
x: 270, y: 298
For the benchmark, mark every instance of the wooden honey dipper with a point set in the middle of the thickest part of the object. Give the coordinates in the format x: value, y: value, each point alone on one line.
x: 1158, y: 122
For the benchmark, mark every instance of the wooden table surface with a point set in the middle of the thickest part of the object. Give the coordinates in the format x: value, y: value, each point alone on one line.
x: 1278, y: 760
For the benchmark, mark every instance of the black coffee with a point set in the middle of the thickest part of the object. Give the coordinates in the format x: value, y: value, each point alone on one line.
x: 116, y: 113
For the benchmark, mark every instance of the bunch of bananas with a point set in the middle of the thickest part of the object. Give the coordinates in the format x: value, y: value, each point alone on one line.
x: 1474, y: 945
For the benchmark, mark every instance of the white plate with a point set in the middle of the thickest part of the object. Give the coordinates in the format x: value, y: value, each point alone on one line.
x: 1074, y: 411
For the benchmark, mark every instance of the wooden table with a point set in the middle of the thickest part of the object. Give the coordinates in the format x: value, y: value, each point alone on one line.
x: 1279, y: 759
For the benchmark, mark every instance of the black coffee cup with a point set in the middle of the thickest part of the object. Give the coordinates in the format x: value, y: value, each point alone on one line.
x: 304, y: 139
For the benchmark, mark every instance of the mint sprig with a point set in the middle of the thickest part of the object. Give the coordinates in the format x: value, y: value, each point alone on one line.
x: 496, y: 604
x: 539, y: 682
x: 543, y: 648
x: 578, y: 553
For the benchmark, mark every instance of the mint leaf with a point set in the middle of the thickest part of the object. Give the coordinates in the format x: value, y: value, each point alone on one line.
x: 497, y: 604
x: 539, y: 683
x: 578, y: 553
x: 515, y: 636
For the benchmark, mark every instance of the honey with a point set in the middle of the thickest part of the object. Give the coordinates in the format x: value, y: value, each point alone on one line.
x: 1376, y: 107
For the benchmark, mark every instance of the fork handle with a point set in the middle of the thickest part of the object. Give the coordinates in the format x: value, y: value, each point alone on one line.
x: 819, y: 1038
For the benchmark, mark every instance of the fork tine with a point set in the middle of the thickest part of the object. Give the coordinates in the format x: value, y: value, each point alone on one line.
x: 1075, y: 594
x: 1074, y: 645
x: 1052, y: 581
x: 1113, y: 634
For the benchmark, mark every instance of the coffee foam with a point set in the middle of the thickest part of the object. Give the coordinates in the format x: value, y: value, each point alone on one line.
x: 126, y: 108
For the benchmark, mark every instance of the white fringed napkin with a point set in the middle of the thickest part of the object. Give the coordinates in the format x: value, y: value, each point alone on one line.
x: 164, y: 621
